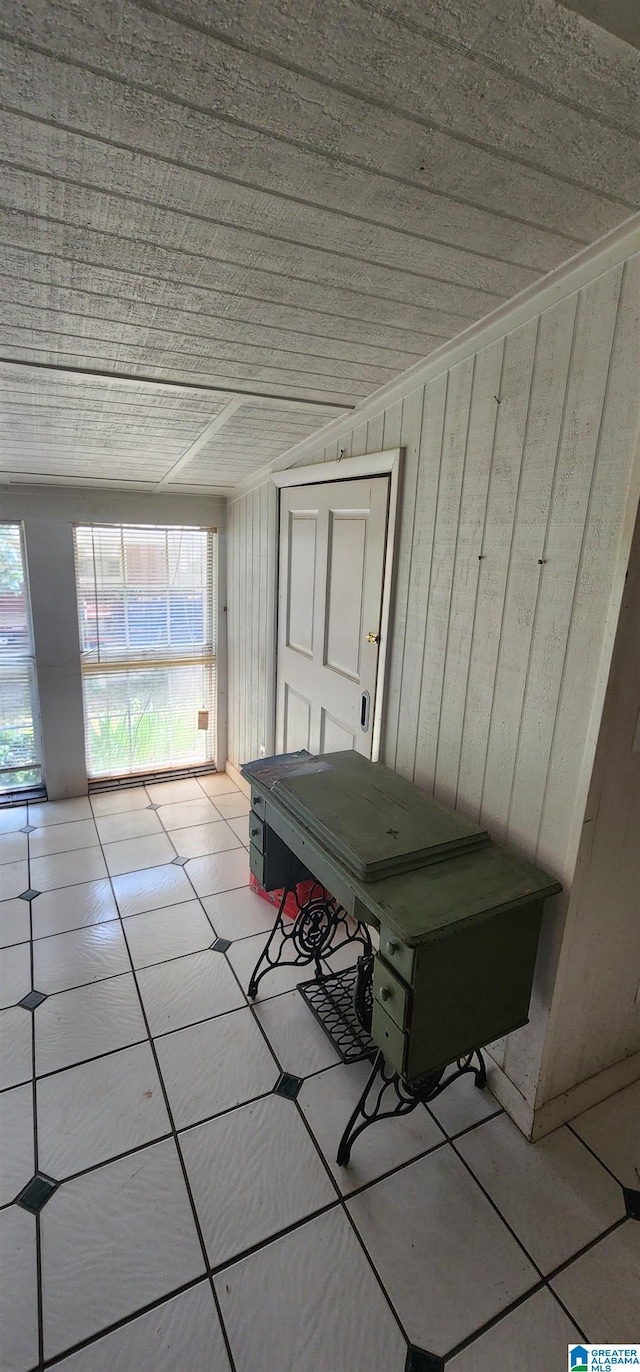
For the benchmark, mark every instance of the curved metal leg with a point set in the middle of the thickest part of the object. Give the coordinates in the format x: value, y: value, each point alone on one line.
x: 384, y: 1087
x: 311, y: 935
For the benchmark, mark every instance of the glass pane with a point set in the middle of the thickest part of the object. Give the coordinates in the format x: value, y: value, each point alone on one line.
x: 19, y: 743
x: 146, y: 720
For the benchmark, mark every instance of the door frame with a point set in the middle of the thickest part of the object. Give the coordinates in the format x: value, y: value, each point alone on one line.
x: 389, y: 464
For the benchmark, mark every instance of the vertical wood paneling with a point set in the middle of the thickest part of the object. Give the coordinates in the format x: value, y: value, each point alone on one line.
x: 493, y: 661
x: 445, y: 538
x: 466, y: 572
x: 434, y: 398
x: 504, y: 483
x: 595, y: 320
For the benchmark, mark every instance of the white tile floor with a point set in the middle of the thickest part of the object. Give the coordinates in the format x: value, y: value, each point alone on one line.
x: 200, y: 1223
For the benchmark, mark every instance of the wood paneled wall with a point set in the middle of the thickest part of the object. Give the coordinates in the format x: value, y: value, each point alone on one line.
x: 517, y: 464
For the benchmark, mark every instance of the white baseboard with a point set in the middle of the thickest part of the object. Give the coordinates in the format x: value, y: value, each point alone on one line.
x: 585, y: 1094
x: 237, y: 779
x: 535, y: 1123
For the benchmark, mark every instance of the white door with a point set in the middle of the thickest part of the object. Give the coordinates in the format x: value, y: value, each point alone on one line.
x: 332, y: 555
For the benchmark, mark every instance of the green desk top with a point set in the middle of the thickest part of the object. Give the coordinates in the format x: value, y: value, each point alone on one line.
x: 423, y: 904
x: 371, y: 818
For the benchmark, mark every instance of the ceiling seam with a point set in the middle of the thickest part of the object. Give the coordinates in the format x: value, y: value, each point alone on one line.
x: 221, y: 290
x: 430, y: 125
x: 256, y: 233
x: 142, y: 152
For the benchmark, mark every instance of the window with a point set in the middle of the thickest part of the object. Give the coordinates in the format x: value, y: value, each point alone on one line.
x: 20, y: 754
x: 147, y: 623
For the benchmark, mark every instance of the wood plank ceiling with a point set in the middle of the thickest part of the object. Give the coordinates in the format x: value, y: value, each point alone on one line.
x: 276, y: 207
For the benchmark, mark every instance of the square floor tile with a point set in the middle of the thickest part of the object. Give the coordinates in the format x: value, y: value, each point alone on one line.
x: 95, y: 1111
x: 241, y: 828
x: 16, y: 1049
x: 63, y: 838
x: 118, y: 801
x: 327, y: 1101
x: 14, y: 878
x: 539, y: 1325
x: 554, y: 1194
x: 202, y: 839
x: 77, y: 1025
x: 73, y: 907
x: 462, y: 1105
x: 181, y: 1335
x: 600, y: 1289
x: 240, y: 913
x: 253, y: 1172
x: 447, y: 1261
x: 59, y: 811
x: 232, y: 806
x: 187, y: 813
x: 128, y: 824
x: 214, y: 1066
x: 17, y: 1163
x: 218, y: 784
x: 18, y: 1290
x: 188, y: 989
x: 612, y: 1130
x: 162, y: 934
x: 219, y: 872
x: 67, y: 869
x: 12, y: 819
x: 151, y: 889
x: 314, y: 1304
x: 299, y: 1043
x: 133, y: 854
x: 15, y: 974
x: 244, y: 956
x: 80, y: 956
x: 13, y: 848
x: 174, y: 792
x: 15, y: 924
x: 114, y: 1240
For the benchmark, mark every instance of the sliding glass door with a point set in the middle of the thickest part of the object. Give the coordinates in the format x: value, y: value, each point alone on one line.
x: 20, y: 752
x: 146, y: 612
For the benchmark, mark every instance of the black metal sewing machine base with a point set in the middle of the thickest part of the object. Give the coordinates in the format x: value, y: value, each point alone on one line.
x: 384, y: 1082
x: 309, y: 937
x: 332, y: 999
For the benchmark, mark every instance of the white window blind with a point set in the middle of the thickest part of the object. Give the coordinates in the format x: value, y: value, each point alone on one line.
x: 20, y: 755
x: 146, y: 600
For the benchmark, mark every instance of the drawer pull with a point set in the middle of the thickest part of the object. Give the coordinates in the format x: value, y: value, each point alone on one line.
x: 385, y: 993
x: 255, y: 833
x: 392, y: 946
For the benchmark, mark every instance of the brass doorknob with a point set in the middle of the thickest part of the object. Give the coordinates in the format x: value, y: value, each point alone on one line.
x: 373, y: 638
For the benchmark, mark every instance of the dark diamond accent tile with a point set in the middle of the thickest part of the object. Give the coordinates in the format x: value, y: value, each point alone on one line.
x: 179, y: 861
x: 221, y: 945
x: 151, y: 806
x: 632, y: 1202
x: 287, y: 1086
x: 420, y: 1361
x: 32, y: 1000
x: 36, y: 1193
x: 28, y: 895
x: 28, y: 829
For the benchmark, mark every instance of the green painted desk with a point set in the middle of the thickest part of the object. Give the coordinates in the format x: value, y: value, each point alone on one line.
x: 458, y: 934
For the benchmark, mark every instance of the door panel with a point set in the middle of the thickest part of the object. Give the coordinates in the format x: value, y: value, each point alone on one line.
x: 302, y: 561
x: 332, y: 554
x: 345, y: 586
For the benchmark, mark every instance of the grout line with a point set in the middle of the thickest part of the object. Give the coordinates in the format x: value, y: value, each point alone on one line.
x: 576, y: 1135
x: 34, y: 1104
x: 126, y: 1320
x: 174, y: 1133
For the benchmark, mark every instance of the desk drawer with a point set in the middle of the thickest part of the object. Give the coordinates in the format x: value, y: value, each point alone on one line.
x: 257, y: 804
x: 256, y: 831
x: 391, y: 993
x: 398, y: 955
x: 389, y: 1038
x: 257, y: 864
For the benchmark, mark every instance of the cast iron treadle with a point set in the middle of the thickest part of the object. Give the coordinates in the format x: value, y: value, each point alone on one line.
x: 331, y: 1000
